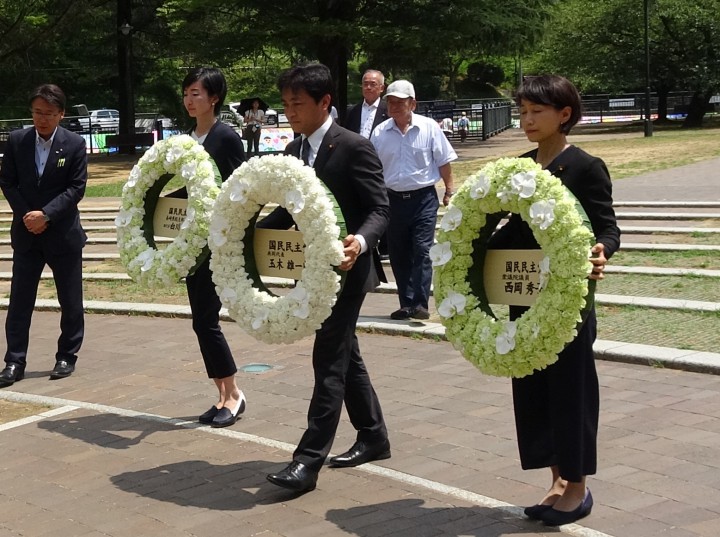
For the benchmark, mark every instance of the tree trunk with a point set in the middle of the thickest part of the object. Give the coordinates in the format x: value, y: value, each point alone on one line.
x: 662, y: 111
x: 333, y: 53
x: 696, y: 110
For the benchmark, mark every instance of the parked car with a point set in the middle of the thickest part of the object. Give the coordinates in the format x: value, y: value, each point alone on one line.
x: 71, y: 123
x: 104, y: 120
x: 229, y: 117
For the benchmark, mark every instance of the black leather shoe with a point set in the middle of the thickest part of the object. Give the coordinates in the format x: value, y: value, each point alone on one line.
x: 295, y: 476
x: 402, y: 314
x: 420, y: 313
x: 208, y: 416
x: 553, y: 517
x: 535, y: 511
x: 360, y: 453
x: 226, y: 417
x: 62, y: 369
x: 11, y: 374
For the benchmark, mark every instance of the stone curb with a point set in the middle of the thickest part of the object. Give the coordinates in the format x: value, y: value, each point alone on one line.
x: 615, y: 351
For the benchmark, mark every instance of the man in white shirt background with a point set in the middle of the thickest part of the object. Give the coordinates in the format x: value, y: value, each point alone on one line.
x: 415, y: 154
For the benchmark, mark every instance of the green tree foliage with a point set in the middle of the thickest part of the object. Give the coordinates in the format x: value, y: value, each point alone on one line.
x: 600, y: 46
x: 426, y: 40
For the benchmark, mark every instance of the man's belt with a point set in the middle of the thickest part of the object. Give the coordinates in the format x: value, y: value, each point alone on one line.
x: 411, y: 194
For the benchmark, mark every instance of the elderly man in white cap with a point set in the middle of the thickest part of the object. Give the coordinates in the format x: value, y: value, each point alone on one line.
x: 415, y: 155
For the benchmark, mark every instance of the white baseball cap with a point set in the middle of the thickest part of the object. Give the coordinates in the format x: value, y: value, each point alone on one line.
x: 400, y: 88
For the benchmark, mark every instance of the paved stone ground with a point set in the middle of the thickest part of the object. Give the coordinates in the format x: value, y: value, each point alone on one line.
x: 120, y: 454
x: 123, y: 456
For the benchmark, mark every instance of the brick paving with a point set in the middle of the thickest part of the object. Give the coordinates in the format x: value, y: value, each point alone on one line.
x: 121, y: 455
x: 127, y: 459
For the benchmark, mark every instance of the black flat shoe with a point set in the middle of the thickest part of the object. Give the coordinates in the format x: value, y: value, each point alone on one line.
x: 360, y: 453
x: 207, y: 417
x: 11, y: 374
x: 226, y: 417
x: 535, y: 511
x: 553, y: 517
x: 295, y: 476
x: 62, y: 369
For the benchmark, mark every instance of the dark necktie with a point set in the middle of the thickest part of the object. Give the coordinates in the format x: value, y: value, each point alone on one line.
x: 305, y: 151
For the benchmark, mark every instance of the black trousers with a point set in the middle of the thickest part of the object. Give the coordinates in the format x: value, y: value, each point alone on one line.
x: 205, y: 306
x: 557, y: 410
x: 26, y: 272
x: 340, y: 375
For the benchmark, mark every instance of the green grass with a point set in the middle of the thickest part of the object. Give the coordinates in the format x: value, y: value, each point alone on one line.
x: 665, y: 328
x: 696, y: 260
x: 108, y: 190
x: 629, y: 156
x: 675, y: 287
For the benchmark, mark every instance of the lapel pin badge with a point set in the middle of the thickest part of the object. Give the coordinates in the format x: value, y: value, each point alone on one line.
x: 61, y: 162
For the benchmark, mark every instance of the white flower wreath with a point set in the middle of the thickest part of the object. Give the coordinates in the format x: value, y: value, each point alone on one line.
x: 532, y: 342
x: 176, y: 156
x: 286, y: 181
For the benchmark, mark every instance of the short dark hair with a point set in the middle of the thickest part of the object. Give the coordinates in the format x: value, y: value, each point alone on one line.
x: 314, y: 78
x: 212, y: 79
x: 51, y: 93
x: 555, y: 91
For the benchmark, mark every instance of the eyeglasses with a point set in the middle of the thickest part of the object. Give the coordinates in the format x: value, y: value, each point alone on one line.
x: 371, y: 84
x: 44, y: 115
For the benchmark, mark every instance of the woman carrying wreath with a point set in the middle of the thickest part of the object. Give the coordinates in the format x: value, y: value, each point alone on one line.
x: 204, y: 91
x: 557, y: 408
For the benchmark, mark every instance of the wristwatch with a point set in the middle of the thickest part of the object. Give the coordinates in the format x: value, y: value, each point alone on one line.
x: 46, y: 217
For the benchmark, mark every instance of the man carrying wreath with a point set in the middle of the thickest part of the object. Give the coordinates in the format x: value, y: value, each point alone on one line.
x: 348, y: 165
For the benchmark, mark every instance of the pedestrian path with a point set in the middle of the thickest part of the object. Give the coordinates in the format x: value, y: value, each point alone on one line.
x: 116, y: 450
x: 120, y: 452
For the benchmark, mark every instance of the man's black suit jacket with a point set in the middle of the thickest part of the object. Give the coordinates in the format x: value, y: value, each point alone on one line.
x: 354, y: 115
x: 56, y: 192
x: 348, y: 165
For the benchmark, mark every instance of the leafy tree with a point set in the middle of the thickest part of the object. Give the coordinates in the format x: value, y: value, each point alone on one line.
x: 426, y: 40
x: 601, y: 47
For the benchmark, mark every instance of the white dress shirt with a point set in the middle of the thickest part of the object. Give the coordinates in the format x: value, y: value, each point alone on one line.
x: 411, y: 161
x: 367, y: 117
x: 42, y: 151
x: 315, y: 140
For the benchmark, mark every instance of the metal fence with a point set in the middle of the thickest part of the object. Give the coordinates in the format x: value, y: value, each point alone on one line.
x: 487, y: 117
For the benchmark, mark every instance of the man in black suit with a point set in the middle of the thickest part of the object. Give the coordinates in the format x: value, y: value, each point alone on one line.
x: 365, y: 116
x: 43, y: 177
x: 349, y: 167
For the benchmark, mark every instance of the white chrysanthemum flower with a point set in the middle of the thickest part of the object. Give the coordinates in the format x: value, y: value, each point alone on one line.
x: 451, y: 219
x: 453, y: 304
x: 219, y: 229
x: 440, y: 253
x: 544, y: 272
x: 505, y: 341
x: 294, y: 201
x: 523, y: 184
x: 542, y: 213
x: 239, y: 191
x: 189, y: 218
x: 480, y: 186
x: 261, y: 316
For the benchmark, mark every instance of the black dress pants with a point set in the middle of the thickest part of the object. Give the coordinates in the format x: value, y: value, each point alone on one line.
x: 340, y: 375
x: 205, y: 306
x: 67, y: 273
